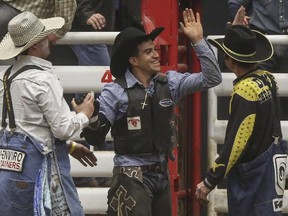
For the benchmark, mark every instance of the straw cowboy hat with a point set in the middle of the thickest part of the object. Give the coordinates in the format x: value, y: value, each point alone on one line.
x: 24, y: 30
x: 244, y: 45
x: 124, y: 41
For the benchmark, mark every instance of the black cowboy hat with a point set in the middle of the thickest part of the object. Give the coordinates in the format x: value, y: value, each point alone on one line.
x: 244, y: 45
x: 124, y: 41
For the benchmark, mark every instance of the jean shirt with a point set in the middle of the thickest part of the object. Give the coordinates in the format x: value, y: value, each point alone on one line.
x: 269, y: 16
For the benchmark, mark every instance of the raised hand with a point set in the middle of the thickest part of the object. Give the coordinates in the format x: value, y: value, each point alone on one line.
x: 241, y: 18
x: 192, y: 26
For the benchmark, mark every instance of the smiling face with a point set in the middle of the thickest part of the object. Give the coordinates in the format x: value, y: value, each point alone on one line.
x: 147, y: 60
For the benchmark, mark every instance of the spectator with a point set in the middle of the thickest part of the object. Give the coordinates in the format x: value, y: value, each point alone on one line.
x: 254, y: 156
x: 128, y: 13
x: 268, y: 17
x: 93, y: 16
x: 39, y: 118
x: 138, y: 105
x: 41, y: 9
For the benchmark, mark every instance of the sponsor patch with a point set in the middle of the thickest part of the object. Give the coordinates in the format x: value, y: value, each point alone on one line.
x: 134, y: 123
x: 166, y: 102
x: 11, y: 160
x: 280, y: 163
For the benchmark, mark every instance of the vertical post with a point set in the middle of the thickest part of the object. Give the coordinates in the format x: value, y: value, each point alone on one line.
x: 196, y: 128
x: 165, y: 13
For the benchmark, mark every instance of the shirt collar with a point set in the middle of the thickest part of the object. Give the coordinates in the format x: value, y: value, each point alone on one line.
x: 132, y: 80
x: 34, y: 61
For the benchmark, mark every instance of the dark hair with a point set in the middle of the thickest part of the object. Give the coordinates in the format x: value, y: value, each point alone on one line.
x: 245, y: 65
x: 133, y: 51
x: 241, y: 64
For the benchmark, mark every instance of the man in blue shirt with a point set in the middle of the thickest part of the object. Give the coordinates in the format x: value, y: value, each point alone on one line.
x: 269, y: 17
x: 138, y: 106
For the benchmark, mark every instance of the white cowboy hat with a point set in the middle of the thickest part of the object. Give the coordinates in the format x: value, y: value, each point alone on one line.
x: 24, y: 30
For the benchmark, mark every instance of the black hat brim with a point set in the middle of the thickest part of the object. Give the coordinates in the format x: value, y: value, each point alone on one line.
x: 119, y: 59
x: 264, y: 49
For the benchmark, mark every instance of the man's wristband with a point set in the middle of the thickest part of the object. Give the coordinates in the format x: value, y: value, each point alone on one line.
x: 72, y: 148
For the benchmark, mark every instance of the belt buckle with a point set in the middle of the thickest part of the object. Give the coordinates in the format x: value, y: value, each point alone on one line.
x: 122, y: 169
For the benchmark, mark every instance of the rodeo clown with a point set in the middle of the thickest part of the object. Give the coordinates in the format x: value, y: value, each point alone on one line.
x: 254, y: 156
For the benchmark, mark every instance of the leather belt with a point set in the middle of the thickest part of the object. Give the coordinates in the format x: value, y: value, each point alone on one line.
x: 147, y: 168
x: 137, y: 171
x: 153, y: 168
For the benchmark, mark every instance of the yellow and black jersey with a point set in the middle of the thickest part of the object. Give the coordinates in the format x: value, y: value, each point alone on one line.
x: 251, y: 123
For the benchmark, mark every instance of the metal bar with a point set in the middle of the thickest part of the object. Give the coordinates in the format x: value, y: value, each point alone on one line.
x: 275, y: 39
x: 88, y: 38
x: 104, y: 166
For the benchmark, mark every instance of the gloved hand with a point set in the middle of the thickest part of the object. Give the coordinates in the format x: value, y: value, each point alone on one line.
x: 95, y: 133
x: 92, y: 137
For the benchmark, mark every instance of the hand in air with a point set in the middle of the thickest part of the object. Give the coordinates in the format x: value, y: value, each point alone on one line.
x: 192, y: 26
x: 241, y: 18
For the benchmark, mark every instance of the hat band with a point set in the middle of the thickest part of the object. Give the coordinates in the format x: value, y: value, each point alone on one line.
x: 22, y: 45
x: 238, y: 54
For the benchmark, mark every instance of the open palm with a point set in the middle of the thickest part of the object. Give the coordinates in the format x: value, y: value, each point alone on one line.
x: 192, y: 26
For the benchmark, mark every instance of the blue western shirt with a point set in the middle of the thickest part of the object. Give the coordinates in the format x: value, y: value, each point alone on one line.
x: 114, y: 100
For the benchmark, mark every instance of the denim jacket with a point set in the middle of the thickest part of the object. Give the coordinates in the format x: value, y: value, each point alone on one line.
x: 267, y: 16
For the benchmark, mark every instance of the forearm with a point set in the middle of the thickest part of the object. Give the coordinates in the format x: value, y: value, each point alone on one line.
x: 211, y: 74
x: 70, y: 126
x: 84, y: 12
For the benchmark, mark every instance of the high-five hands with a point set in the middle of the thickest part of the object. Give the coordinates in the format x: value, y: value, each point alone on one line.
x: 241, y: 18
x: 192, y: 26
